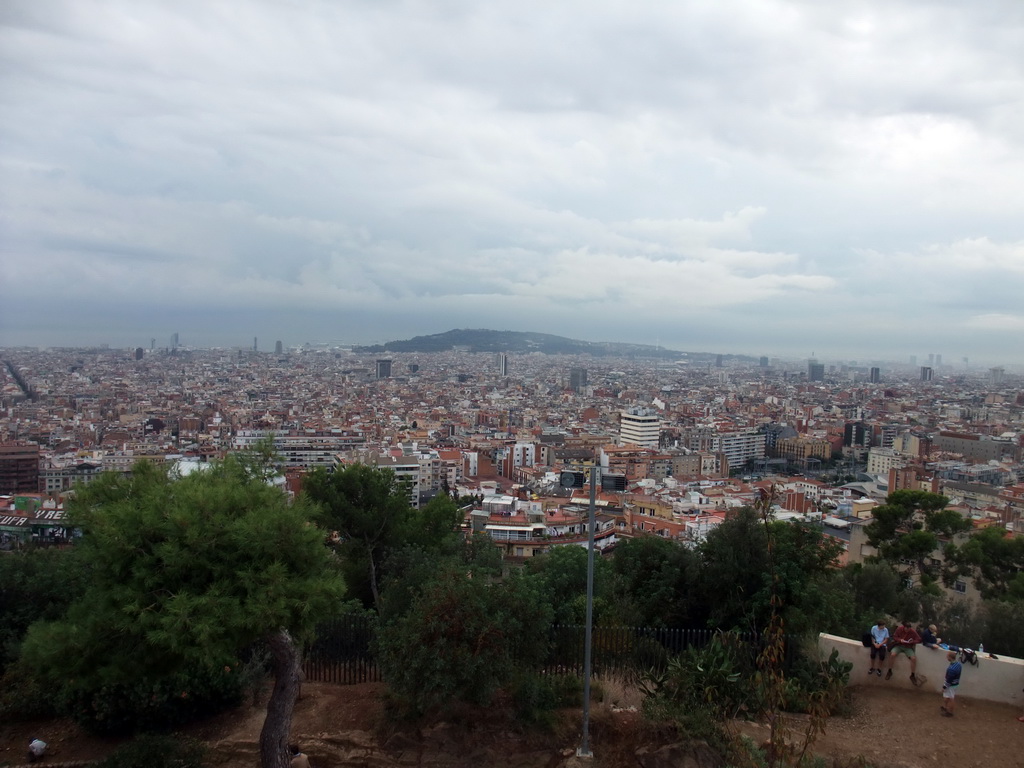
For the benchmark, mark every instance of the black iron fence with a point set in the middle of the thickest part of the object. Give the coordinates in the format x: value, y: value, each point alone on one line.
x: 343, y: 650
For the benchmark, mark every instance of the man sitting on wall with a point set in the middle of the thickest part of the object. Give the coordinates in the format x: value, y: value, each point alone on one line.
x: 905, y: 641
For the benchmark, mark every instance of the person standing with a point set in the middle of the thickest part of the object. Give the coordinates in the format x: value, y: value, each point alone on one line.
x: 950, y: 684
x: 905, y: 640
x: 879, y: 646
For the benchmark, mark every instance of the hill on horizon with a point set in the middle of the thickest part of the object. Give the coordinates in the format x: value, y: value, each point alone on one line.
x: 519, y: 342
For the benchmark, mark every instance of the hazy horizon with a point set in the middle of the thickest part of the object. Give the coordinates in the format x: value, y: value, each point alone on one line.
x: 267, y: 344
x: 762, y: 177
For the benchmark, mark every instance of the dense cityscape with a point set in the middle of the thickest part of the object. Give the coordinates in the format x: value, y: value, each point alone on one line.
x: 690, y: 441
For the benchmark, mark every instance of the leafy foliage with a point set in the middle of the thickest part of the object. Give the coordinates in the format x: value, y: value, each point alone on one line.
x: 35, y: 585
x: 908, y: 529
x: 156, y: 751
x: 736, y: 553
x: 561, y: 576
x: 371, y: 514
x: 185, y: 574
x: 994, y: 560
x: 702, y: 689
x: 655, y: 581
x: 461, y: 640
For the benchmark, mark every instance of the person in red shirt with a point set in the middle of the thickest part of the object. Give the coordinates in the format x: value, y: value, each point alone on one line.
x: 904, y: 642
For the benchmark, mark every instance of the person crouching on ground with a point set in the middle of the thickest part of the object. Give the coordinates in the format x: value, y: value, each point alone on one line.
x: 299, y: 759
x: 950, y: 684
x: 879, y: 646
x: 905, y: 640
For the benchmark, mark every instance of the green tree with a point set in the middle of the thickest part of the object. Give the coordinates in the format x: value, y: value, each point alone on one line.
x: 735, y: 575
x: 655, y: 582
x: 909, y: 528
x: 35, y: 585
x: 561, y: 575
x: 993, y: 559
x: 462, y: 639
x: 414, y: 565
x: 185, y: 574
x: 371, y: 514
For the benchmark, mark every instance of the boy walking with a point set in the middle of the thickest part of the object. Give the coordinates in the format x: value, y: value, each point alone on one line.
x: 879, y: 646
x: 950, y: 684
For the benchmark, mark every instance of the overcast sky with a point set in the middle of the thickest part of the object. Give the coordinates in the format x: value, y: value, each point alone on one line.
x: 764, y: 177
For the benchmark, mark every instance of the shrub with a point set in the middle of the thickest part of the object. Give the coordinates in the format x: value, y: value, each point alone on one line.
x: 156, y: 751
x: 816, y: 682
x: 537, y: 696
x: 702, y: 689
x: 461, y: 641
x: 153, y: 704
x: 23, y: 696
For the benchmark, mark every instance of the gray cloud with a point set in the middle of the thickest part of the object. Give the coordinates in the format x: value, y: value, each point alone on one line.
x: 744, y: 175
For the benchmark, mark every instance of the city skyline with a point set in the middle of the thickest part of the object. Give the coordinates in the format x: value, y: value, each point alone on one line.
x: 751, y: 178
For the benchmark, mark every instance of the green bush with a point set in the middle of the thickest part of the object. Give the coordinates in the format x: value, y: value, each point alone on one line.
x: 537, y: 696
x: 461, y: 641
x: 23, y: 696
x: 156, y: 751
x: 702, y: 689
x: 35, y: 585
x: 816, y: 682
x: 153, y: 704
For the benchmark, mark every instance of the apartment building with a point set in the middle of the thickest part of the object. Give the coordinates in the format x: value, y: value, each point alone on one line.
x: 19, y: 468
x: 800, y: 449
x: 640, y: 426
x: 881, y: 460
x: 741, y: 446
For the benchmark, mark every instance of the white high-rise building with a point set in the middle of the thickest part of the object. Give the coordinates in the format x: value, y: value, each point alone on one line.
x: 640, y: 426
x: 741, y: 446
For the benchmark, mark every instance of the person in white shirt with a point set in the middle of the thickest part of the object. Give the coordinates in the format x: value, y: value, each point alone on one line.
x: 879, y: 646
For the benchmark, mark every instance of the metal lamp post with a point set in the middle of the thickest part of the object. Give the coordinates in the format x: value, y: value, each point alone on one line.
x: 569, y: 479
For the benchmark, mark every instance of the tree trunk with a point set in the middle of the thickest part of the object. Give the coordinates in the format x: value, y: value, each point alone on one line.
x: 373, y: 583
x: 278, y: 724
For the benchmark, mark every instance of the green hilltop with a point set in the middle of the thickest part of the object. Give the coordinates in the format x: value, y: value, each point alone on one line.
x: 518, y: 342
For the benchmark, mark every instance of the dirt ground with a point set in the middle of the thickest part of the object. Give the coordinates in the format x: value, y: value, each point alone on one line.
x: 346, y: 726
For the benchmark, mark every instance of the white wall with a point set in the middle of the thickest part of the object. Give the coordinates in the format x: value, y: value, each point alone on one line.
x: 1000, y: 680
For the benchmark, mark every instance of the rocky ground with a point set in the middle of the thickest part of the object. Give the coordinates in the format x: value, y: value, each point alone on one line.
x: 346, y: 726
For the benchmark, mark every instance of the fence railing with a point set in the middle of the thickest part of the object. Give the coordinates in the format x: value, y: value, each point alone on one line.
x: 343, y: 650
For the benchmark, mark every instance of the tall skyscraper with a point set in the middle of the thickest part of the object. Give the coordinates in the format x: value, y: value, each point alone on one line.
x: 501, y: 361
x: 255, y: 346
x: 875, y: 376
x: 577, y: 379
x: 763, y: 362
x: 718, y: 361
x: 278, y: 347
x: 139, y: 352
x: 383, y: 369
x: 174, y: 340
x: 926, y: 373
x: 938, y: 361
x: 815, y: 370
